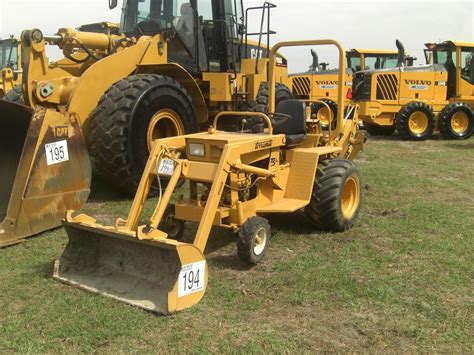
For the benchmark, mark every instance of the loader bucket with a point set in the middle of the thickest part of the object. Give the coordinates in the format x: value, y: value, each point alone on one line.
x: 160, y: 276
x: 44, y: 170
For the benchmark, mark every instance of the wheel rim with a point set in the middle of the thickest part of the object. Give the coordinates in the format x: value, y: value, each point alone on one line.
x: 350, y: 197
x: 165, y: 123
x: 418, y: 122
x: 260, y: 241
x: 323, y: 116
x: 172, y: 225
x: 459, y: 122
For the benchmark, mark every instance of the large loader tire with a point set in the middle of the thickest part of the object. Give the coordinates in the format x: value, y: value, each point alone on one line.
x: 415, y: 121
x: 337, y: 196
x: 377, y: 130
x: 320, y: 111
x: 456, y: 121
x: 282, y: 93
x: 131, y: 114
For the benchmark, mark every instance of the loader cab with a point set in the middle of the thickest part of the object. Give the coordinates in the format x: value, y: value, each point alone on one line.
x: 364, y: 59
x: 9, y: 55
x: 458, y: 60
x: 203, y: 35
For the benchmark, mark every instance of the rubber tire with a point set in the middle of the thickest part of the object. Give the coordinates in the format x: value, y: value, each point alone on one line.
x: 14, y: 95
x: 332, y: 105
x: 246, y: 240
x: 401, y: 121
x: 170, y: 211
x: 324, y: 209
x: 282, y: 93
x: 377, y: 130
x: 118, y: 136
x: 446, y: 115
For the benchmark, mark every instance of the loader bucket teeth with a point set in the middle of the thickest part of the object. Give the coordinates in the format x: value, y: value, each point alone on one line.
x: 148, y: 274
x: 45, y: 170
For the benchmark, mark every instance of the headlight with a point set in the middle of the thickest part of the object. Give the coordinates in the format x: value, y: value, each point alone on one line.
x: 197, y: 150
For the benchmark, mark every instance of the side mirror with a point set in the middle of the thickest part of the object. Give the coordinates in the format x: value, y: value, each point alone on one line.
x: 113, y: 4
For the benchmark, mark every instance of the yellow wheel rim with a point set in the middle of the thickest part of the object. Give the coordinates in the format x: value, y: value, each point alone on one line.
x: 323, y: 116
x: 350, y: 197
x: 418, y: 122
x: 459, y: 122
x: 260, y: 241
x: 165, y: 123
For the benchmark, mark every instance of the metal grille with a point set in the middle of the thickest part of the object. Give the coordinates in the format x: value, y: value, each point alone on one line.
x: 301, y: 86
x: 387, y: 87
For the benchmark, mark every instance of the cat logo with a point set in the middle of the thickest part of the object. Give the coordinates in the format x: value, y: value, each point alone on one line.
x: 61, y: 132
x: 263, y: 145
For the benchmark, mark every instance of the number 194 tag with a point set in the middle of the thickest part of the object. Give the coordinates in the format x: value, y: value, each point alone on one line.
x: 56, y: 152
x: 191, y: 278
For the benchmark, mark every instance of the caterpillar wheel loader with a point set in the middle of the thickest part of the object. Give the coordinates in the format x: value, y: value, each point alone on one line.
x: 166, y: 73
x: 235, y: 178
x: 417, y: 101
x: 320, y: 83
x: 11, y: 68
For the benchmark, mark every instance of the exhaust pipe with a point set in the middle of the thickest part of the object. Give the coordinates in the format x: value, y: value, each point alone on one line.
x: 401, y: 53
x: 315, y: 65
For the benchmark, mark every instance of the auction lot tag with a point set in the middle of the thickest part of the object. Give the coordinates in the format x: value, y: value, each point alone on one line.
x: 166, y: 167
x: 56, y: 152
x: 191, y: 278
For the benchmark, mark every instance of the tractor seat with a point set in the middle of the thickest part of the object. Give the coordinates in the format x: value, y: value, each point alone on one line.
x: 294, y: 128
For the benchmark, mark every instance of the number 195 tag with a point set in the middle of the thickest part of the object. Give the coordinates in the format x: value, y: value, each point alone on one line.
x: 56, y: 152
x: 191, y: 278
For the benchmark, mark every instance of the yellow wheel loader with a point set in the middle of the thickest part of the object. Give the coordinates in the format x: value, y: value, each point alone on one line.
x: 417, y: 101
x: 269, y: 165
x: 321, y: 83
x: 11, y: 68
x: 172, y: 66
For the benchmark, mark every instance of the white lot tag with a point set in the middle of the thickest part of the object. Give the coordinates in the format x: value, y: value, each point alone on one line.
x: 56, y: 152
x: 191, y: 278
x: 166, y: 167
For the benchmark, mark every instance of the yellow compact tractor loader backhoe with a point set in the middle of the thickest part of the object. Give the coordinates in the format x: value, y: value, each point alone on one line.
x: 11, y: 68
x: 321, y: 83
x: 173, y: 66
x: 271, y: 164
x: 417, y: 101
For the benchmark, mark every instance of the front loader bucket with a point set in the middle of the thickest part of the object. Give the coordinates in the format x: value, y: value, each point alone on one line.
x: 163, y: 276
x: 44, y: 170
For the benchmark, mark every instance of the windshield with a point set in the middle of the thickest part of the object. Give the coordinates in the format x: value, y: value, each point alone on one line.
x: 156, y: 13
x: 380, y: 61
x: 8, y: 54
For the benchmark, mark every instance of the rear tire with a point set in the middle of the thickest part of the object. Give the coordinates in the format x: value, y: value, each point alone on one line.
x: 336, y: 199
x: 253, y: 240
x: 376, y: 130
x: 415, y: 121
x: 282, y: 93
x: 456, y: 121
x: 320, y: 112
x: 130, y: 115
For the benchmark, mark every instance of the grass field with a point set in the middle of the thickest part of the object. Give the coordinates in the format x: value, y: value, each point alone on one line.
x: 401, y: 279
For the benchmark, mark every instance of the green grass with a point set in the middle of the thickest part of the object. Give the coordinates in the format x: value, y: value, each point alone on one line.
x: 401, y: 279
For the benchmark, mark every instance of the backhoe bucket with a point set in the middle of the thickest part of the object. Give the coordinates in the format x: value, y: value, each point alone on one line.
x: 162, y: 276
x: 44, y: 170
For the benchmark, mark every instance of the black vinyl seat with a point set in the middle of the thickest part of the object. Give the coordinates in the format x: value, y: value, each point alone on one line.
x: 294, y: 128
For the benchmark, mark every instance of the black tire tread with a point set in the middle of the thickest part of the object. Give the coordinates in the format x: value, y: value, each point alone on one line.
x: 404, y: 114
x: 445, y: 120
x: 248, y: 229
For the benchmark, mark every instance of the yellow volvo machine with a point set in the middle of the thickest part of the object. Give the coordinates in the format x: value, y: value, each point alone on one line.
x: 321, y: 83
x: 269, y: 164
x: 174, y: 65
x: 11, y: 68
x: 419, y: 100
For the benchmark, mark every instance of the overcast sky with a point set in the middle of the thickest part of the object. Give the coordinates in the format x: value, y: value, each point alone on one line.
x: 368, y: 24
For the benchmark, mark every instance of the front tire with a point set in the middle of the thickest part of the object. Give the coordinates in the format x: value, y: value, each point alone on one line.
x: 172, y: 226
x: 336, y: 199
x: 253, y: 240
x: 456, y: 121
x: 415, y: 121
x: 130, y: 115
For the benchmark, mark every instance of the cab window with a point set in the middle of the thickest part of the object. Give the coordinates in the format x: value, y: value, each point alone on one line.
x: 467, y: 65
